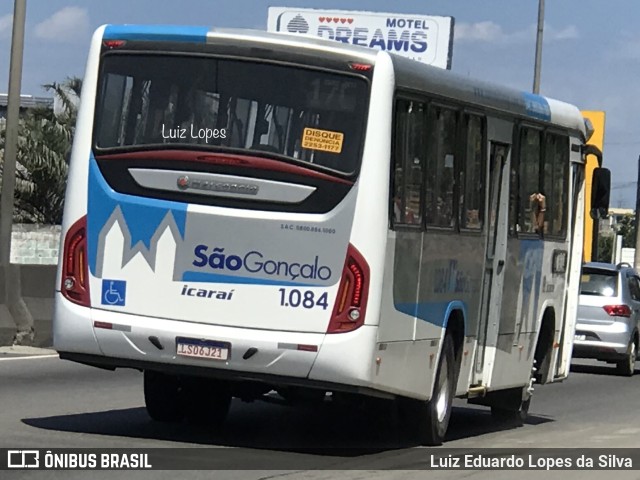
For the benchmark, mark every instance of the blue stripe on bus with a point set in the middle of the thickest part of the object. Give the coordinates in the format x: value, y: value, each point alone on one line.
x: 142, y: 215
x: 536, y: 106
x: 217, y: 278
x: 161, y: 33
x: 436, y: 313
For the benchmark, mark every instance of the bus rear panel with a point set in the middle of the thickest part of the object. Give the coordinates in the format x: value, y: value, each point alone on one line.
x: 213, y: 227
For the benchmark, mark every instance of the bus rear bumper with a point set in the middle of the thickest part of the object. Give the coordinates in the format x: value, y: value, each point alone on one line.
x: 113, y: 340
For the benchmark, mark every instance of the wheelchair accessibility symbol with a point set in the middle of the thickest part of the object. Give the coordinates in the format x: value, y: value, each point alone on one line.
x: 114, y: 292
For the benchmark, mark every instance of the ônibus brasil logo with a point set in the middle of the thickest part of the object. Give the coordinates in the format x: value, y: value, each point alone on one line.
x: 256, y: 263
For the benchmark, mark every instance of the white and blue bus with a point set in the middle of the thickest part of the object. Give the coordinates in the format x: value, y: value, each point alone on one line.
x: 250, y: 212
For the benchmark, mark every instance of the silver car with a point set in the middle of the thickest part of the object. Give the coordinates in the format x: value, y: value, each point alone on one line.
x: 608, y: 315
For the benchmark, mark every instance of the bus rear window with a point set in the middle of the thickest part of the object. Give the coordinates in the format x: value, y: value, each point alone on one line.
x: 312, y: 116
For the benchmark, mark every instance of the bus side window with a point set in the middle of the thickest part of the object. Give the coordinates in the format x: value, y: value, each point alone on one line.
x: 472, y: 175
x: 409, y: 162
x: 514, y: 188
x: 442, y: 125
x: 556, y: 172
x: 529, y: 179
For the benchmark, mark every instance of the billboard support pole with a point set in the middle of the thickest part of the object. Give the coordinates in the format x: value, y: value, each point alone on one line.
x: 538, y: 61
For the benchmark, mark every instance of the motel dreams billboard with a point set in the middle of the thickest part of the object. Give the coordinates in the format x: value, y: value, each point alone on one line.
x: 427, y: 39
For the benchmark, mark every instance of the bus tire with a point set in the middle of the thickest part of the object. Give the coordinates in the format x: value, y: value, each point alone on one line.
x: 434, y: 415
x: 163, y: 397
x: 206, y: 402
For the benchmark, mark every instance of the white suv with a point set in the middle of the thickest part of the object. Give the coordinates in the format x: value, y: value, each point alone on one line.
x: 608, y: 315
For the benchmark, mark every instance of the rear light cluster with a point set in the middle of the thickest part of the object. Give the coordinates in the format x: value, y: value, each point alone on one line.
x: 618, y: 310
x: 75, y: 268
x: 114, y: 43
x: 360, y: 67
x: 351, y: 302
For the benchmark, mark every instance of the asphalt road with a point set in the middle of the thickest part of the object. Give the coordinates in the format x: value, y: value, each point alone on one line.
x: 49, y: 403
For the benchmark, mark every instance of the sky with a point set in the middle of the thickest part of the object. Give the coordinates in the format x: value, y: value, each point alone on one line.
x: 591, y: 49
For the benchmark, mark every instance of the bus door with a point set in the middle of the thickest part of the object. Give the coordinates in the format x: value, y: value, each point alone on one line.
x: 495, y: 257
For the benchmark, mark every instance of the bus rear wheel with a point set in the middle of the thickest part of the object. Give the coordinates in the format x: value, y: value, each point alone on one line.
x: 426, y: 422
x: 163, y: 396
x: 206, y: 402
x: 438, y: 409
x: 431, y: 418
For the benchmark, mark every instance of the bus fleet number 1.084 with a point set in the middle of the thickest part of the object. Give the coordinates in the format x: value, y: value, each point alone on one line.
x: 295, y: 298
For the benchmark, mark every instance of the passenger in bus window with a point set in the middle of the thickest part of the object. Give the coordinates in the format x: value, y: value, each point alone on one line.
x: 473, y: 219
x: 538, y: 204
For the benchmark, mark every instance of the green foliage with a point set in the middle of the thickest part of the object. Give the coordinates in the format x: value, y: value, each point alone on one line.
x: 605, y: 248
x: 627, y: 228
x: 44, y: 146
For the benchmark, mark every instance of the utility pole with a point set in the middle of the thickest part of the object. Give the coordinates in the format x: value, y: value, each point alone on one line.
x: 636, y: 257
x: 537, y: 66
x: 11, y: 139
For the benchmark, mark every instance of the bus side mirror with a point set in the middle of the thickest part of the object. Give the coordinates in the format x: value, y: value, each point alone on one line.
x: 600, y: 189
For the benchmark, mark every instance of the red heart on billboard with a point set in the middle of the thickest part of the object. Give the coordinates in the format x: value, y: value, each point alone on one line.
x: 343, y: 20
x: 322, y: 19
x: 336, y: 19
x: 349, y: 21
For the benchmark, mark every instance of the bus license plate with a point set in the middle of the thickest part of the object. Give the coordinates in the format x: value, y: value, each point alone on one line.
x: 209, y: 349
x: 580, y: 338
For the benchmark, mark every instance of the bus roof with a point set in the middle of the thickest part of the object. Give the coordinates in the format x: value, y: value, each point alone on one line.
x: 421, y: 77
x: 410, y: 74
x: 177, y: 33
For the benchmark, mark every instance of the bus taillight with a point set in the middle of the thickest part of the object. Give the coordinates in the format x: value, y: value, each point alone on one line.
x: 75, y: 272
x: 360, y: 67
x: 114, y: 43
x: 351, y: 301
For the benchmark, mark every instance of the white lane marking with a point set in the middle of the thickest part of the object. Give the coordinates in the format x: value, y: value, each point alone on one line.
x: 30, y: 357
